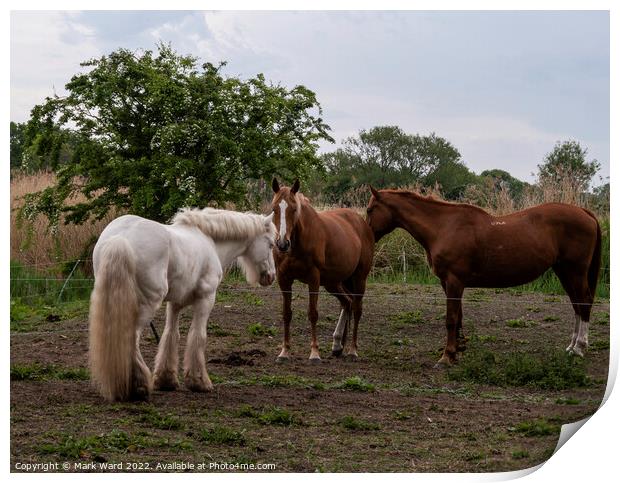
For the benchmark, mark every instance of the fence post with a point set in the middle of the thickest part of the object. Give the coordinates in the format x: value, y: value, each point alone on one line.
x: 67, y: 281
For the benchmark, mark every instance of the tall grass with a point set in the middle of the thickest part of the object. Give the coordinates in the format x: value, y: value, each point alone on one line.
x: 41, y: 260
x: 33, y: 244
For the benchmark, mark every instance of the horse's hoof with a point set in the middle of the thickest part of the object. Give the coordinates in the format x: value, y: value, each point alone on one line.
x: 168, y: 382
x: 576, y: 351
x: 337, y: 352
x: 351, y: 356
x: 315, y: 360
x: 444, y: 363
x: 198, y: 385
x: 141, y: 393
x: 166, y: 385
x: 282, y: 359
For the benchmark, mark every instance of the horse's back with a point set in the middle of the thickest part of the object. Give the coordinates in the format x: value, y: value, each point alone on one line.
x: 516, y: 248
x: 149, y: 241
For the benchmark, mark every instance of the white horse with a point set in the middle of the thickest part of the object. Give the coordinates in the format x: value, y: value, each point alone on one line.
x: 138, y: 264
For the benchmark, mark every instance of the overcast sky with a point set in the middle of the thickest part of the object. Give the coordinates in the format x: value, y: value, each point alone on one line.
x: 503, y: 87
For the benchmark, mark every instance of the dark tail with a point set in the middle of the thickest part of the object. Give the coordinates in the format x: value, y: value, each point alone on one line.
x: 595, y: 263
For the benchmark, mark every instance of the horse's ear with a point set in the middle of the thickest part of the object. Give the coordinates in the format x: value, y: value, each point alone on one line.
x: 275, y: 186
x: 295, y: 187
x: 374, y: 192
x: 269, y: 219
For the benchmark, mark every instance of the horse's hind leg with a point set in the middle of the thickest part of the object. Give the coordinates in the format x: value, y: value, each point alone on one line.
x: 141, y: 379
x: 454, y: 292
x: 357, y: 287
x: 340, y: 332
x: 165, y: 375
x: 575, y: 283
x: 195, y: 370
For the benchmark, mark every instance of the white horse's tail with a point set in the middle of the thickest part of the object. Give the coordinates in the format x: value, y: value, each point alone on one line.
x: 113, y: 318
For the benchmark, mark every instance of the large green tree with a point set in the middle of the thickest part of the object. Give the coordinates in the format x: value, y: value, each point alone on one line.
x: 568, y: 160
x: 385, y: 156
x: 17, y: 131
x: 152, y: 132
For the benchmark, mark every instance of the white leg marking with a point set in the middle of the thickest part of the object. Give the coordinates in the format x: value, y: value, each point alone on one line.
x: 582, y: 339
x: 339, y: 330
x: 283, y: 206
x: 575, y: 333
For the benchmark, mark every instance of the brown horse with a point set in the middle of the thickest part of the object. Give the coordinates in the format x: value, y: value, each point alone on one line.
x: 333, y: 249
x: 467, y: 247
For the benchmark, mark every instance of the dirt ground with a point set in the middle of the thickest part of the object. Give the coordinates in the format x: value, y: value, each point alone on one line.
x: 388, y: 411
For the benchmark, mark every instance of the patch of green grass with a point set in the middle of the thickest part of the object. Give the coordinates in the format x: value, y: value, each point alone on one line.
x: 289, y: 380
x: 599, y: 345
x: 555, y: 370
x: 402, y: 415
x: 355, y: 424
x: 155, y: 419
x: 222, y: 435
x: 538, y: 427
x: 259, y: 330
x: 550, y: 318
x: 602, y: 318
x: 217, y: 331
x: 38, y: 372
x: 520, y: 454
x: 402, y: 318
x: 356, y: 383
x: 473, y: 456
x: 517, y: 323
x: 268, y: 415
x: 484, y: 338
x: 571, y: 401
x: 252, y: 299
x: 70, y: 446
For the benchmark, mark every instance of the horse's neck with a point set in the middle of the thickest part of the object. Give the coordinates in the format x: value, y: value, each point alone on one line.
x: 307, y: 224
x: 421, y: 218
x: 228, y: 250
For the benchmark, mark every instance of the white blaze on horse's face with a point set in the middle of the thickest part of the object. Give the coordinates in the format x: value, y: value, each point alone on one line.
x: 285, y: 215
x: 257, y: 261
x: 283, y: 206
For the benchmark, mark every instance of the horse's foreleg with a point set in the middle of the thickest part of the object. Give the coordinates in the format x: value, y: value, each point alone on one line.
x: 195, y: 370
x: 454, y: 292
x: 287, y: 315
x: 167, y: 359
x: 313, y: 317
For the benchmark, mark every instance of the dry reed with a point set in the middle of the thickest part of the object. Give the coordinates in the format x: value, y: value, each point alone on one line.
x: 33, y: 244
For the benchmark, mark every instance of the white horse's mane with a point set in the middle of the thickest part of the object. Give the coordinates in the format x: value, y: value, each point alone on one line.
x: 223, y: 224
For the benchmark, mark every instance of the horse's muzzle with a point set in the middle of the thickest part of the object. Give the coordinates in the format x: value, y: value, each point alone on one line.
x: 266, y: 279
x: 284, y: 245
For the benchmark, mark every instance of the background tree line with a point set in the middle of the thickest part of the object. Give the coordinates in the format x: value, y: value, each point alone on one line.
x: 151, y: 132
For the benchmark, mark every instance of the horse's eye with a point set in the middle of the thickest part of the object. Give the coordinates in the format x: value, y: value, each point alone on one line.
x: 368, y: 210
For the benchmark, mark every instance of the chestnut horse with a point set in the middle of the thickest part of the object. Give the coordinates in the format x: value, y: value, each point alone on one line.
x: 333, y: 249
x: 467, y: 247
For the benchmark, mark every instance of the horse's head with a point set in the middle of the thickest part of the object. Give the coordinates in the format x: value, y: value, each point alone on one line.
x: 286, y: 208
x: 257, y: 261
x: 378, y: 215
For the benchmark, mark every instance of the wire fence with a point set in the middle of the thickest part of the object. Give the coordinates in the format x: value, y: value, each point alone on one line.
x: 300, y: 293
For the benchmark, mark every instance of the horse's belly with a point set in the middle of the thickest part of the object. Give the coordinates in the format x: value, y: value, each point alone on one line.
x: 503, y: 273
